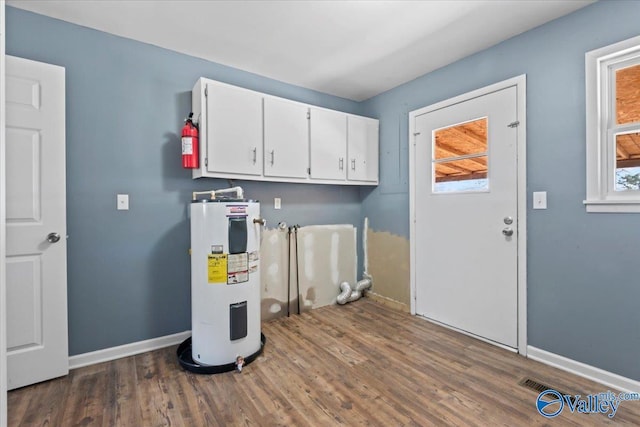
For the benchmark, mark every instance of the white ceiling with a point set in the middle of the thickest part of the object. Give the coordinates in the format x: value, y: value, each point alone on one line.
x: 352, y: 49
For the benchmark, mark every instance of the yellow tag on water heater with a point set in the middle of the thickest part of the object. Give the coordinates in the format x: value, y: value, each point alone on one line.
x: 217, y: 268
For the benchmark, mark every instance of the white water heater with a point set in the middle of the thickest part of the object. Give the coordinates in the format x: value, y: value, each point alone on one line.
x: 225, y: 283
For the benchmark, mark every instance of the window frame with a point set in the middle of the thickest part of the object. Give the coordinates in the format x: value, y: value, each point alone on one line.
x: 602, y: 127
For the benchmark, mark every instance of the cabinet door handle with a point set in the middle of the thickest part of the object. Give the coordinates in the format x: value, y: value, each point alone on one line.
x: 273, y: 152
x: 341, y: 163
x: 353, y: 164
x: 255, y: 155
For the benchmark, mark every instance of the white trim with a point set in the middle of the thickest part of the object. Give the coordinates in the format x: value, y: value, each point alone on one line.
x: 521, y: 94
x: 612, y: 206
x: 412, y: 213
x: 592, y: 373
x: 3, y: 285
x: 520, y: 82
x: 600, y: 196
x: 108, y: 354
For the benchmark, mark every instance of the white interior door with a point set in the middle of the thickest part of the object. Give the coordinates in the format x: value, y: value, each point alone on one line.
x: 466, y: 216
x: 36, y: 263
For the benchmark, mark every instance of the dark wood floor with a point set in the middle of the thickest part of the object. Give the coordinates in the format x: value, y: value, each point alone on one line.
x: 359, y: 364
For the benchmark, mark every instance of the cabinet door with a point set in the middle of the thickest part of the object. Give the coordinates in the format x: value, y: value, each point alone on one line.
x: 286, y: 139
x: 234, y: 130
x: 362, y: 147
x: 328, y: 144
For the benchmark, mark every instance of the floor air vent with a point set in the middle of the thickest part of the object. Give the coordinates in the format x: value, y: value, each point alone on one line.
x: 540, y: 387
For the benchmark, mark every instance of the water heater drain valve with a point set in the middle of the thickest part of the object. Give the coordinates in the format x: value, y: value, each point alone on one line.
x: 239, y: 363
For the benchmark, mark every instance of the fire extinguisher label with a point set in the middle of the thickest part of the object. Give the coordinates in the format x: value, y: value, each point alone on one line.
x: 217, y: 268
x: 187, y: 145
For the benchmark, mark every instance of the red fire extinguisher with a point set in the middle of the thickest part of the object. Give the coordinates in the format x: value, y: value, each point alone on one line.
x: 190, y: 154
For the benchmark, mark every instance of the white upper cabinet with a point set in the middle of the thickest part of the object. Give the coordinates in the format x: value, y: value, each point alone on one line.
x: 328, y: 144
x: 286, y: 138
x: 232, y: 130
x: 246, y: 134
x: 362, y: 149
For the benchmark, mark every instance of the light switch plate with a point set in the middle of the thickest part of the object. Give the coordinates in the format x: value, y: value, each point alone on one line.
x: 277, y: 203
x: 122, y: 201
x: 539, y: 200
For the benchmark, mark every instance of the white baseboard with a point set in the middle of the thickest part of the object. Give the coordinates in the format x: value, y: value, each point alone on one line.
x: 601, y: 376
x: 107, y: 354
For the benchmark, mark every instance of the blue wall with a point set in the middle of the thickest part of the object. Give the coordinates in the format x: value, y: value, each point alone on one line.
x: 583, y: 269
x: 129, y: 272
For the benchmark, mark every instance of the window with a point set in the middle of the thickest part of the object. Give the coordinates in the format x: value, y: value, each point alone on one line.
x: 460, y: 158
x: 613, y: 127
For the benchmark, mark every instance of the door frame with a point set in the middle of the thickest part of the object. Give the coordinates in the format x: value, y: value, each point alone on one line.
x: 3, y: 307
x: 521, y: 152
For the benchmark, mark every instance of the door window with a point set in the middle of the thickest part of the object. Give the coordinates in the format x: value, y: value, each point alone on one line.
x: 460, y: 158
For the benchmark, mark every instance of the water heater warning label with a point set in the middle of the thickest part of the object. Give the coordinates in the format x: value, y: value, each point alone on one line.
x: 237, y: 210
x: 217, y: 268
x: 254, y: 257
x: 238, y: 268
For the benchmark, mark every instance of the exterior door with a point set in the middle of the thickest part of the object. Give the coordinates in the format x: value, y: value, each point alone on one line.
x: 466, y: 216
x: 36, y: 263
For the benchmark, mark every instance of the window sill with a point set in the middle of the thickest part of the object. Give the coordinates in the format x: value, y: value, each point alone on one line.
x: 612, y: 206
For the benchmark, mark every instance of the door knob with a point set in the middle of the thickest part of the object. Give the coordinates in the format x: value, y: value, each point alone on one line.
x: 507, y: 231
x: 53, y: 237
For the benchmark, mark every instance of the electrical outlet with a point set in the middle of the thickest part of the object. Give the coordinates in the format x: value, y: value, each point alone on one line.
x: 277, y: 203
x: 122, y: 202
